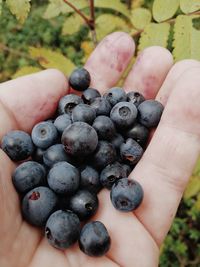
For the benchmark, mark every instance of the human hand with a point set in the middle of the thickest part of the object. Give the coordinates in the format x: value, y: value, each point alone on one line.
x: 163, y: 170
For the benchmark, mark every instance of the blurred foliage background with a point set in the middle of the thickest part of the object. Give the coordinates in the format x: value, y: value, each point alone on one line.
x: 40, y: 34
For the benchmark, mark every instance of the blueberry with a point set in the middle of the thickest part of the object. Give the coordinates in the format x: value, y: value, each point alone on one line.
x: 101, y: 105
x: 126, y: 195
x: 17, y: 145
x: 117, y: 140
x: 131, y: 151
x: 139, y: 133
x: 94, y: 239
x: 89, y: 95
x: 104, y: 127
x: 150, y: 112
x: 135, y: 98
x: 80, y: 79
x: 90, y: 179
x: 105, y: 154
x: 84, y: 204
x: 115, y: 95
x: 38, y: 154
x: 62, y: 122
x: 67, y: 103
x: 123, y: 114
x: 54, y: 154
x: 28, y: 175
x: 84, y: 112
x: 38, y: 204
x: 63, y: 178
x: 111, y: 173
x: 79, y: 139
x: 127, y: 169
x: 44, y: 134
x: 62, y: 229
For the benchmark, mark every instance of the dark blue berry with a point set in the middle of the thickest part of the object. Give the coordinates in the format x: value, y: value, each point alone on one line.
x: 38, y: 154
x: 115, y: 95
x: 123, y: 114
x: 104, y: 127
x: 84, y: 204
x: 117, y: 140
x: 62, y: 122
x: 17, y: 145
x: 28, y: 175
x: 135, y: 98
x: 127, y: 169
x: 131, y: 151
x: 150, y: 112
x: 102, y: 106
x: 67, y: 103
x: 139, y: 133
x: 44, y: 134
x: 62, y: 229
x: 63, y: 178
x: 90, y: 179
x: 84, y: 112
x: 80, y: 79
x: 79, y: 139
x: 126, y: 195
x: 94, y: 239
x: 89, y: 95
x: 38, y: 204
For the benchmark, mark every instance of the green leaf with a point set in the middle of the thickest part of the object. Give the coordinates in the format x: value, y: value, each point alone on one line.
x: 193, y: 187
x: 196, y: 170
x: 114, y: 5
x: 25, y: 70
x: 108, y: 23
x: 188, y: 6
x: 140, y: 17
x: 164, y: 9
x: 186, y: 39
x: 51, y: 59
x: 154, y: 34
x: 72, y: 24
x: 0, y: 7
x: 19, y: 8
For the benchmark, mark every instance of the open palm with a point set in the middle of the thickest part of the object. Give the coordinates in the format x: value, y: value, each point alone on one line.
x: 163, y: 170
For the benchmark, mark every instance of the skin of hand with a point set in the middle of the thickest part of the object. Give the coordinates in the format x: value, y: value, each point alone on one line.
x: 163, y: 171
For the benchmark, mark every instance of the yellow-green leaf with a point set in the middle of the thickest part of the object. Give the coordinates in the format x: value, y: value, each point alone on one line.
x: 188, y: 6
x: 197, y: 203
x: 107, y: 23
x: 186, y: 39
x: 0, y: 7
x: 193, y: 187
x: 196, y: 170
x: 164, y: 9
x: 52, y: 59
x: 19, y: 8
x: 137, y: 3
x: 116, y: 5
x: 25, y: 71
x: 72, y: 24
x: 140, y: 17
x: 154, y: 34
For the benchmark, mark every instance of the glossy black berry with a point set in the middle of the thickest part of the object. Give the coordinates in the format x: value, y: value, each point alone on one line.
x: 84, y: 204
x: 67, y: 103
x: 131, y: 151
x: 79, y: 139
x: 150, y: 112
x: 126, y: 195
x: 115, y: 95
x: 102, y: 106
x: 80, y: 79
x: 123, y: 114
x: 104, y: 127
x: 135, y: 98
x: 38, y: 154
x: 105, y: 154
x: 28, y: 175
x: 139, y: 133
x: 17, y: 145
x: 83, y: 112
x: 90, y: 179
x: 63, y: 178
x: 62, y: 122
x: 117, y: 140
x: 94, y: 239
x: 89, y: 95
x: 62, y: 229
x: 38, y: 204
x: 44, y: 134
x: 111, y: 173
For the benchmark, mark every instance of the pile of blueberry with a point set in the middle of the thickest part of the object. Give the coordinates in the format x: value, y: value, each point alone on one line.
x: 92, y: 142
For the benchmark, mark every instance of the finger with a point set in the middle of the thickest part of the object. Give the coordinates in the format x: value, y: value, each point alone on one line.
x: 149, y: 71
x: 29, y: 99
x: 109, y: 60
x: 170, y: 157
x: 176, y: 71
